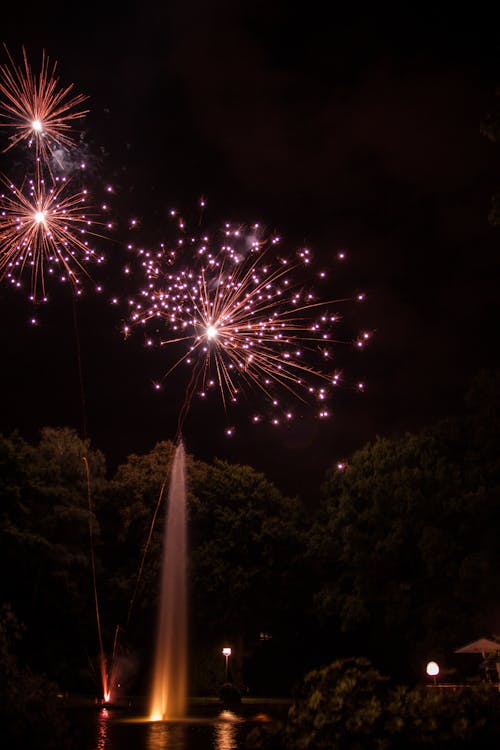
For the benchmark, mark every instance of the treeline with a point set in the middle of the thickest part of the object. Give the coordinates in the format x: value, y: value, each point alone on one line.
x: 398, y: 564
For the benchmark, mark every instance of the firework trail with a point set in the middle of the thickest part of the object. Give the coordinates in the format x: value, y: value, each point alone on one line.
x: 45, y: 224
x: 242, y: 315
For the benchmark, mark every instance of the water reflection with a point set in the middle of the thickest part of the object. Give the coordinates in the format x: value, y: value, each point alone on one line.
x: 102, y: 729
x: 225, y: 731
x: 204, y: 730
x: 165, y: 734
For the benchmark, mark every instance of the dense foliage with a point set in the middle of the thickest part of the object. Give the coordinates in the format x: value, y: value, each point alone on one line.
x: 406, y: 544
x: 31, y: 713
x: 398, y: 563
x: 349, y: 705
x: 64, y: 526
x: 490, y: 128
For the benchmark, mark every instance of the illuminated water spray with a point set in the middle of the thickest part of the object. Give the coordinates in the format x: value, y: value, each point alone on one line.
x: 169, y: 685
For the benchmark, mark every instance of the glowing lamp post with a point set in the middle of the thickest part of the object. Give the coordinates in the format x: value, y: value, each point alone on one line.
x: 227, y: 654
x: 432, y: 670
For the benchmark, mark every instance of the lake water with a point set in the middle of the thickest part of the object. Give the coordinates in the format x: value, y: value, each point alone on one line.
x: 207, y: 727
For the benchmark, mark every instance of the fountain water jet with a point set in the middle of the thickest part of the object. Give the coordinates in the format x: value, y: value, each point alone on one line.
x: 169, y: 686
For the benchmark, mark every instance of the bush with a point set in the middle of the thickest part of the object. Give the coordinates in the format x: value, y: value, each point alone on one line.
x: 30, y: 711
x: 463, y: 717
x: 339, y: 706
x: 269, y: 736
x: 349, y: 705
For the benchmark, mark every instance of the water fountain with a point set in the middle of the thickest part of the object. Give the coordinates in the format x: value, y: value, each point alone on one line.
x: 169, y: 685
x: 168, y: 723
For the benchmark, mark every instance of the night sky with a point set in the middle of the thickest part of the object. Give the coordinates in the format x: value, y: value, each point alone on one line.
x: 340, y: 130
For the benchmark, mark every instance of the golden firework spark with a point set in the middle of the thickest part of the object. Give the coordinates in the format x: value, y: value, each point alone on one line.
x: 37, y: 109
x: 44, y: 231
x: 243, y: 316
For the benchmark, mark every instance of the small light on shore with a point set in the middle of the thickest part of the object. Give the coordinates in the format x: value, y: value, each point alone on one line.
x: 432, y: 670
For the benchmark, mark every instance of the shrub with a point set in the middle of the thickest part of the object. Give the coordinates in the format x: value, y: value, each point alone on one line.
x: 349, y: 705
x: 339, y: 706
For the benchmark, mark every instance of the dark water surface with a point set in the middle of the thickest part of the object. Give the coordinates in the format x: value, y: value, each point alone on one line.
x: 207, y: 727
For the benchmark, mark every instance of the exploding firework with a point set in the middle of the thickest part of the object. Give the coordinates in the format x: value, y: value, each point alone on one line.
x: 44, y: 232
x: 243, y: 317
x: 37, y: 109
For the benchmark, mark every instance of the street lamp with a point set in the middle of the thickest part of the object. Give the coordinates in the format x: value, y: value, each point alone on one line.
x: 432, y: 670
x: 227, y: 653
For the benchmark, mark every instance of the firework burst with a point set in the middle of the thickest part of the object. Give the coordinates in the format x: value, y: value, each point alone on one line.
x: 243, y: 316
x: 36, y: 109
x: 44, y: 231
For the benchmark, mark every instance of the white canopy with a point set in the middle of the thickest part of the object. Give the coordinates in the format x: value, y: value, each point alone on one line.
x: 481, y: 646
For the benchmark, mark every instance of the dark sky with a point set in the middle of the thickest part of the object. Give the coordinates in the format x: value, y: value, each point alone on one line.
x: 340, y: 129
